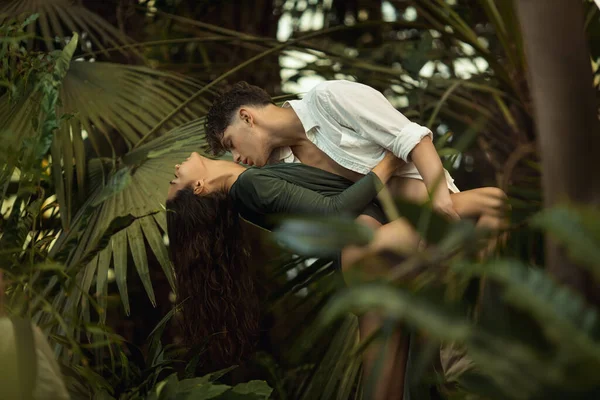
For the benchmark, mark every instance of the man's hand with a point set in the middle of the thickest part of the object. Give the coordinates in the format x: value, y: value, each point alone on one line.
x: 445, y: 208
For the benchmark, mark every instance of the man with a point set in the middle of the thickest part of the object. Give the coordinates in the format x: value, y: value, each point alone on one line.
x: 345, y: 127
x: 340, y: 126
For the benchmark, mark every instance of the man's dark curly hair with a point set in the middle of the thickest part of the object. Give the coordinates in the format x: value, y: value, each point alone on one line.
x: 221, y: 112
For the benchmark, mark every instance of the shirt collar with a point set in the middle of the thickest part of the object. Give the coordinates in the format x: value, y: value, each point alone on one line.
x: 284, y: 154
x: 303, y: 113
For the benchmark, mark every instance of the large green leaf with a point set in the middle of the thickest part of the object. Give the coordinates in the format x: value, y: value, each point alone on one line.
x: 417, y: 309
x: 129, y: 104
x: 337, y: 371
x: 253, y: 390
x: 58, y: 18
x: 322, y: 237
x: 578, y: 229
x: 204, y: 389
x: 140, y: 192
x: 560, y: 312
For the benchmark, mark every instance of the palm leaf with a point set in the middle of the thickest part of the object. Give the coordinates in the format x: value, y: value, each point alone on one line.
x: 58, y: 18
x: 578, y: 230
x: 337, y: 371
x: 560, y: 312
x: 111, y: 115
x: 138, y: 186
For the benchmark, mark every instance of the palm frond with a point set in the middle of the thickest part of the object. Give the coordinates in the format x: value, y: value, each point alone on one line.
x: 136, y: 186
x: 108, y: 116
x: 337, y: 371
x: 58, y: 18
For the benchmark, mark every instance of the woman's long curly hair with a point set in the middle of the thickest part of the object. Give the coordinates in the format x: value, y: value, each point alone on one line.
x: 212, y: 264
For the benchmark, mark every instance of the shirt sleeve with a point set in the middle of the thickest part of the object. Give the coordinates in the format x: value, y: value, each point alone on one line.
x: 267, y: 194
x: 368, y: 113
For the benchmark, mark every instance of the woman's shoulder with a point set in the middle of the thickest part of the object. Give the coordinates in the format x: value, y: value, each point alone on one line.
x: 251, y: 173
x: 255, y: 188
x: 254, y: 176
x: 251, y: 178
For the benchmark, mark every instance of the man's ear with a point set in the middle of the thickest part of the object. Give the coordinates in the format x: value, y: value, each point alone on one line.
x: 246, y: 117
x: 199, y: 187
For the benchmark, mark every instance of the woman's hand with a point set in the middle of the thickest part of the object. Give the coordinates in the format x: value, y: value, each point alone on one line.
x: 387, y: 166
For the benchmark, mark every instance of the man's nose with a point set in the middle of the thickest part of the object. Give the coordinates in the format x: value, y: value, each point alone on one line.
x: 236, y: 156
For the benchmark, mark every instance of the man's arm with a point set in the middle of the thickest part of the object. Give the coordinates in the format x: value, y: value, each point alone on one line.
x: 372, y: 116
x: 429, y: 165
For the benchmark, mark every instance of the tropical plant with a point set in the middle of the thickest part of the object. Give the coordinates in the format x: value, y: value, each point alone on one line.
x: 87, y: 206
x: 42, y: 268
x: 536, y: 339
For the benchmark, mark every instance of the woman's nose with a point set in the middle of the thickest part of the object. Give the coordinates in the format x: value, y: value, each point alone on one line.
x: 177, y: 166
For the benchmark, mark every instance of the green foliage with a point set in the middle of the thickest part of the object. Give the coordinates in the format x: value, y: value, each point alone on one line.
x: 535, y: 338
x: 317, y: 237
x: 40, y: 285
x: 16, y: 69
x: 88, y: 149
x: 204, y: 389
x: 577, y: 228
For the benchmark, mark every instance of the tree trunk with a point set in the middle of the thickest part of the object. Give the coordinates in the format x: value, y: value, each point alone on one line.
x: 560, y: 80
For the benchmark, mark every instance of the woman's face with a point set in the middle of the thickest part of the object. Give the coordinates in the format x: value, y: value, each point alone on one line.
x: 190, y: 173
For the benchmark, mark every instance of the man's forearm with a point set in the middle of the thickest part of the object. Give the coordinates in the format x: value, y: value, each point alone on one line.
x: 429, y: 165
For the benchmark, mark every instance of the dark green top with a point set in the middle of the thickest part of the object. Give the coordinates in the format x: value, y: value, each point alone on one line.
x: 301, y: 189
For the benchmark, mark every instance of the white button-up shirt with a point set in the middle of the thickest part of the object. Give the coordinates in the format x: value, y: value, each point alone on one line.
x: 353, y: 124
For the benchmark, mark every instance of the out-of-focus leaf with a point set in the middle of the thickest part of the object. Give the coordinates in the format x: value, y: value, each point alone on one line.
x: 430, y: 225
x: 559, y: 311
x: 417, y: 309
x: 208, y: 378
x: 578, y: 229
x: 332, y: 368
x: 167, y: 389
x: 321, y: 237
x: 419, y: 56
x: 253, y: 390
x: 53, y: 15
x: 204, y: 391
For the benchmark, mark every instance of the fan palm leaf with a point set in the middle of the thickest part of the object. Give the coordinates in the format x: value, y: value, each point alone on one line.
x: 58, y: 18
x: 136, y: 187
x: 112, y: 107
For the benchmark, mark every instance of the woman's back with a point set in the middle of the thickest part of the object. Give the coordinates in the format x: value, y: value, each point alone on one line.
x: 259, y: 193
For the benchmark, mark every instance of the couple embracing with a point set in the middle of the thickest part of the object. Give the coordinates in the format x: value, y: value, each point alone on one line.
x: 329, y: 153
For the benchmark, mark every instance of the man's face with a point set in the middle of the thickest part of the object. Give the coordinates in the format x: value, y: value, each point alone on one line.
x: 246, y: 141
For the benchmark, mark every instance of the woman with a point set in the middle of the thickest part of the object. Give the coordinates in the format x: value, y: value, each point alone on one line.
x: 208, y: 248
